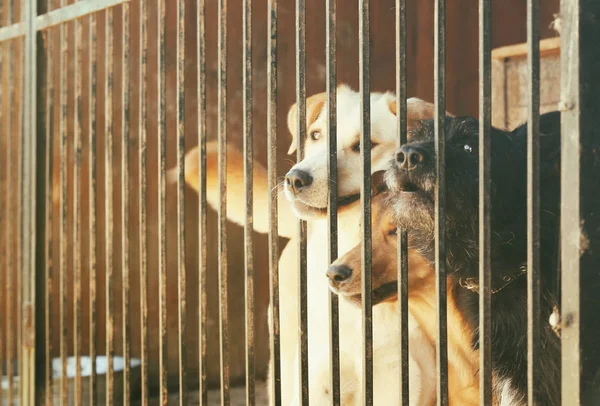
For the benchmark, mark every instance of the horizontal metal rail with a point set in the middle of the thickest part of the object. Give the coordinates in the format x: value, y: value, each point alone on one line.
x: 59, y: 16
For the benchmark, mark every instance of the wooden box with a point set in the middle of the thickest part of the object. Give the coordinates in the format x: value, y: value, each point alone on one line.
x: 510, y: 82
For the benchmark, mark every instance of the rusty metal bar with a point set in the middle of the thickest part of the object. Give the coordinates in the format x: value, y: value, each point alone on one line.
x: 93, y: 193
x: 248, y: 184
x: 162, y: 199
x: 125, y: 174
x: 275, y: 360
x: 332, y: 213
x: 440, y: 201
x: 108, y: 201
x: 580, y: 222
x: 202, y: 225
x: 9, y: 213
x: 143, y: 194
x: 59, y: 16
x: 485, y: 118
x: 181, y: 269
x: 533, y: 206
x: 78, y: 129
x: 222, y: 212
x: 28, y: 207
x: 49, y: 219
x: 401, y: 113
x: 3, y: 203
x: 364, y: 57
x: 302, y: 252
x: 63, y: 93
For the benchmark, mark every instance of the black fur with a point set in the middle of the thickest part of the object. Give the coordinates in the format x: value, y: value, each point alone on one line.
x: 413, y: 196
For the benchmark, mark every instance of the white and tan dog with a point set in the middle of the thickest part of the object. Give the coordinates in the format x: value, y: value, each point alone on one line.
x: 306, y: 190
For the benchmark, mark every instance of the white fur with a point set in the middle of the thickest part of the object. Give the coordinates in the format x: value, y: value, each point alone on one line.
x: 386, y: 335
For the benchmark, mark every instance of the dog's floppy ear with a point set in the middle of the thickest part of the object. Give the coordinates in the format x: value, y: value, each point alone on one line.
x: 416, y: 110
x: 378, y: 184
x: 314, y: 107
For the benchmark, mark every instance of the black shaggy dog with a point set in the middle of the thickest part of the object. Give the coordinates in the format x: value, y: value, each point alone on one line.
x: 412, y: 178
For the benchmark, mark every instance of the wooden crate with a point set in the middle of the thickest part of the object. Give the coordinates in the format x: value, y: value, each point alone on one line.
x: 510, y: 78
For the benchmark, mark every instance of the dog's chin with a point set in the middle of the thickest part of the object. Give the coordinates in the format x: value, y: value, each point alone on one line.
x: 307, y: 211
x: 388, y: 292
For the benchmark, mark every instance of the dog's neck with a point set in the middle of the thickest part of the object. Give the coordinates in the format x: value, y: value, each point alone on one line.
x: 462, y: 359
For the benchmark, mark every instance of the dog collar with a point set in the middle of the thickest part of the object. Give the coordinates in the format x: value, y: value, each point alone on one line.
x: 472, y: 283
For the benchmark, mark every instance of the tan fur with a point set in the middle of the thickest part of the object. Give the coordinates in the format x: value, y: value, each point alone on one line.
x: 462, y: 359
x: 384, y: 132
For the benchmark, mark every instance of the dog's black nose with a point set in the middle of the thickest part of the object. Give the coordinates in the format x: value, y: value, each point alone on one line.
x: 338, y: 274
x: 298, y: 180
x: 410, y: 158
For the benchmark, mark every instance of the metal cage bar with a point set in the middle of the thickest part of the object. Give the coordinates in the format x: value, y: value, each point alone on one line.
x: 580, y: 224
x: 302, y: 228
x: 9, y: 237
x: 125, y: 197
x: 332, y: 207
x: 143, y: 194
x: 77, y: 185
x: 401, y: 122
x: 202, y: 226
x: 49, y: 219
x: 364, y: 58
x: 181, y: 268
x: 272, y: 66
x: 249, y: 206
x: 93, y: 195
x: 62, y: 89
x: 222, y: 212
x: 109, y: 163
x: 440, y: 199
x: 533, y: 205
x: 485, y: 119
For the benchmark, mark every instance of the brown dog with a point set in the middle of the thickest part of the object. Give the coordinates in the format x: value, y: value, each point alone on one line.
x: 345, y: 279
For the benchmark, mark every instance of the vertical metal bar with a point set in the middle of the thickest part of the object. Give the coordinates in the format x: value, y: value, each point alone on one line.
x: 202, y: 249
x: 125, y: 169
x: 222, y: 212
x: 162, y: 200
x: 440, y: 201
x: 93, y: 193
x: 301, y: 136
x: 485, y: 360
x: 485, y: 324
x: 533, y: 204
x: 182, y: 327
x: 9, y: 212
x: 63, y: 92
x: 401, y: 113
x: 77, y: 125
x: 3, y: 219
x: 273, y: 218
x: 108, y: 201
x: 49, y: 270
x: 4, y: 203
x: 248, y: 184
x: 28, y: 209
x: 332, y: 214
x: 142, y: 204
x: 580, y: 222
x: 364, y: 56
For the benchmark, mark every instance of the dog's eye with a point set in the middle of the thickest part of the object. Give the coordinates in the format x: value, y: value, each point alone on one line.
x: 393, y: 231
x: 356, y: 147
x: 315, y: 135
x: 468, y: 148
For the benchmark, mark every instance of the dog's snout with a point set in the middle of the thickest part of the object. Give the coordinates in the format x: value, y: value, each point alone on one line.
x: 410, y: 158
x: 338, y: 274
x: 297, y: 180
